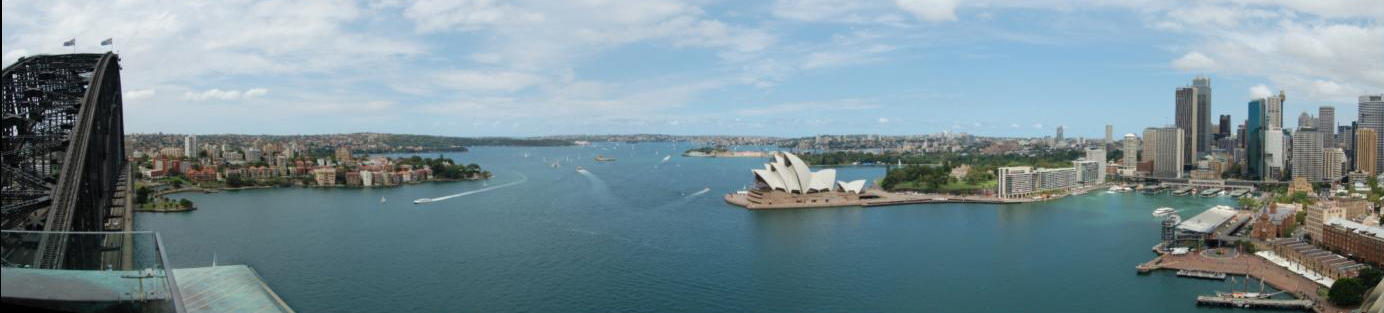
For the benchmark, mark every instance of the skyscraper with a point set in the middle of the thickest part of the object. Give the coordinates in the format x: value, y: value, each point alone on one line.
x: 1306, y: 121
x: 1109, y: 134
x: 1165, y: 145
x: 1254, y: 139
x: 1059, y: 133
x: 1307, y: 155
x: 190, y: 146
x: 1187, y: 120
x: 1204, y: 131
x: 1372, y: 117
x: 1366, y: 149
x: 1131, y: 151
x: 1224, y: 126
x: 1273, y: 110
x: 1333, y: 163
x: 1326, y: 123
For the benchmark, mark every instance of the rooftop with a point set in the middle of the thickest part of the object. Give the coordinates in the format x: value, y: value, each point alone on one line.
x: 1208, y: 220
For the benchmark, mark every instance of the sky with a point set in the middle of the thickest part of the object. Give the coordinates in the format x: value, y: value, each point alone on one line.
x: 707, y: 67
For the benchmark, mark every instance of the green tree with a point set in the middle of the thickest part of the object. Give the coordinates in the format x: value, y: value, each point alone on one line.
x: 142, y: 195
x: 1346, y: 292
x: 1370, y: 276
x: 185, y: 203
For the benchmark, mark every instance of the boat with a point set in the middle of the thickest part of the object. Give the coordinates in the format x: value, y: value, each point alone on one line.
x: 1118, y: 188
x: 582, y: 170
x: 602, y: 158
x: 381, y: 199
x: 423, y: 200
x: 1164, y: 211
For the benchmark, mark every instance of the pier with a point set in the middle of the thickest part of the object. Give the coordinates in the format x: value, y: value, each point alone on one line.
x: 1245, y: 264
x: 1201, y: 274
x: 1251, y: 303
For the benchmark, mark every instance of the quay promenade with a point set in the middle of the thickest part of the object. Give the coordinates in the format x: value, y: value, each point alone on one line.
x: 1246, y: 264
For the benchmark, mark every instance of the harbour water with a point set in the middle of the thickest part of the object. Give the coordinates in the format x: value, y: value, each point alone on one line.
x: 640, y: 235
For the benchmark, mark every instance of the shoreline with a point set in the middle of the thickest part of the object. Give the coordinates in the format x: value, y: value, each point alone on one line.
x: 221, y: 189
x: 758, y: 200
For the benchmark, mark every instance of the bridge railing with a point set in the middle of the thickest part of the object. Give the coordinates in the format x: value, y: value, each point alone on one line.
x: 124, y: 272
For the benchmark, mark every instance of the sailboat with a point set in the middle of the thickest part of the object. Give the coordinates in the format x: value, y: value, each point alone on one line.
x: 381, y: 199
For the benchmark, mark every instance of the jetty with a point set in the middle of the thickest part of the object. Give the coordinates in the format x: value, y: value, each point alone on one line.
x: 1201, y: 274
x: 1253, y: 303
x: 1245, y: 264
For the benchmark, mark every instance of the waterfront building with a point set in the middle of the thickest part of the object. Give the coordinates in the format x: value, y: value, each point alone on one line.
x: 1204, y: 224
x: 1089, y: 172
x: 1366, y: 150
x: 1326, y: 123
x: 190, y: 147
x: 1131, y: 151
x: 1024, y: 181
x: 1307, y: 155
x: 1372, y: 117
x: 325, y: 176
x: 790, y: 174
x: 1362, y: 242
x: 1317, y: 260
x: 1164, y: 147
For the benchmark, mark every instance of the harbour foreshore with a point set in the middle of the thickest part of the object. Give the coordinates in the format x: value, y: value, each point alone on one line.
x: 757, y: 200
x: 1245, y: 264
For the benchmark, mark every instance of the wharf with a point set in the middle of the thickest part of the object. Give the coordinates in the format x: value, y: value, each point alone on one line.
x: 756, y: 200
x: 1251, y: 303
x: 1201, y: 274
x: 1245, y: 264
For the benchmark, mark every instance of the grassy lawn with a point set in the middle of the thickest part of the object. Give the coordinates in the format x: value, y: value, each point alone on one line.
x: 950, y: 187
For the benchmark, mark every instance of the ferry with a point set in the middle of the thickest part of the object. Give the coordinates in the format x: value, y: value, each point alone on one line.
x: 423, y: 200
x: 1164, y: 211
x: 1118, y: 188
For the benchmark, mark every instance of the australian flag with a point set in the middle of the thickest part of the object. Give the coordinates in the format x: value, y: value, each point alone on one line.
x: 70, y: 43
x: 108, y: 41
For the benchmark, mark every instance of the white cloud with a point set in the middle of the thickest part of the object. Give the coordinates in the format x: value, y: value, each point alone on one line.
x: 1038, y: 125
x: 138, y: 94
x: 882, y: 120
x: 930, y: 10
x: 1194, y: 61
x: 224, y: 95
x: 506, y: 81
x: 1260, y: 91
x: 14, y: 55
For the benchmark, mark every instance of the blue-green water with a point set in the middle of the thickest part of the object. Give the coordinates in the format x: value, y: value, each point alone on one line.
x: 634, y: 236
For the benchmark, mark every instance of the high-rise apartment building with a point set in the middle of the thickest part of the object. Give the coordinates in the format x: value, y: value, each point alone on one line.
x: 1372, y: 117
x: 1366, y: 149
x: 1109, y: 135
x: 1307, y: 154
x: 1131, y: 151
x: 1326, y: 123
x: 190, y: 148
x: 1164, y: 147
x: 1187, y: 120
x: 1223, y: 127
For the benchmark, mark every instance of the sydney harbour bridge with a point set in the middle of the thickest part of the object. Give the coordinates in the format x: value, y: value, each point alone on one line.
x: 62, y: 158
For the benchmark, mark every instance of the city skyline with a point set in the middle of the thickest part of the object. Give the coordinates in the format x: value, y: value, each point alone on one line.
x: 787, y: 68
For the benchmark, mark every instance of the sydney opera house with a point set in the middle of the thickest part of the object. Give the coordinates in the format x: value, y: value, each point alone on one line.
x: 788, y: 182
x: 790, y: 174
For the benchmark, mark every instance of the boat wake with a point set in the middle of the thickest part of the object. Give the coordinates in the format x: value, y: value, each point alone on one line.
x: 698, y: 193
x: 521, y: 180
